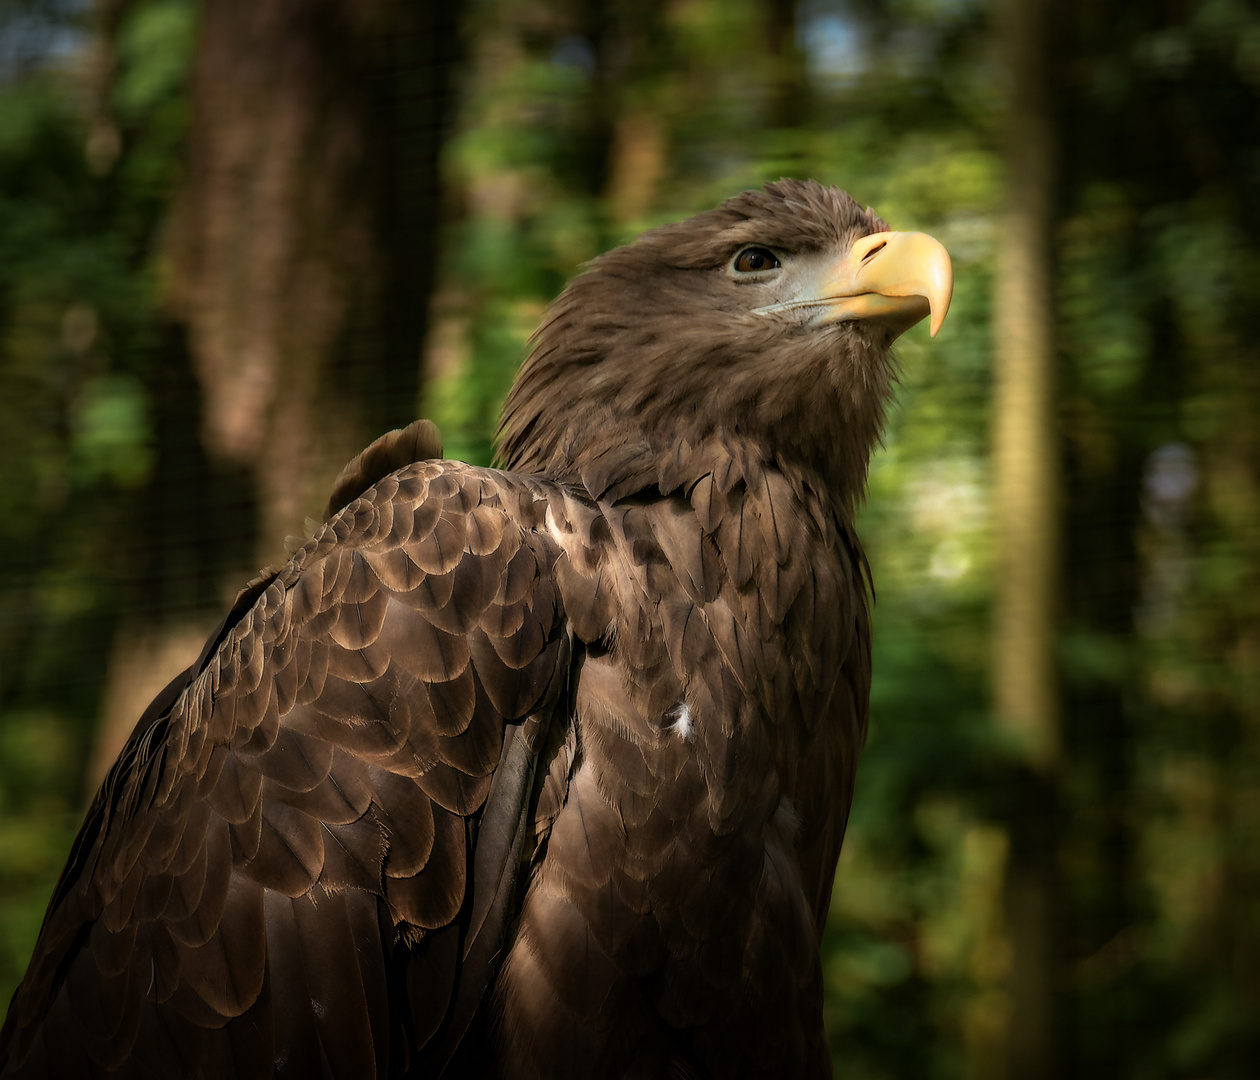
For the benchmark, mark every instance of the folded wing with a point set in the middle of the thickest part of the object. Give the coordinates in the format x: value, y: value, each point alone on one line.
x: 328, y: 818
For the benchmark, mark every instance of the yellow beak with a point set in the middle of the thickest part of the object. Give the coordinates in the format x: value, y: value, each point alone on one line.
x: 895, y: 278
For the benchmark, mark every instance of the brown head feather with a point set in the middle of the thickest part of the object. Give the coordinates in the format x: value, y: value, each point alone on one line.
x: 658, y: 345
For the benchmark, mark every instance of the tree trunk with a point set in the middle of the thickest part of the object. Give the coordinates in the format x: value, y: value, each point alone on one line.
x: 303, y: 246
x: 299, y: 260
x: 1026, y: 457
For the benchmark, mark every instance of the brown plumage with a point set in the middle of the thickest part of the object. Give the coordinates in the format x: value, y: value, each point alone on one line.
x: 539, y: 772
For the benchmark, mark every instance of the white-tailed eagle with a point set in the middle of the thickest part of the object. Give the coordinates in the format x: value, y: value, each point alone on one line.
x: 539, y: 771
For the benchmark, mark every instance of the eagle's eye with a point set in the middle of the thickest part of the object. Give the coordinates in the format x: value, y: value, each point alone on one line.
x: 752, y: 259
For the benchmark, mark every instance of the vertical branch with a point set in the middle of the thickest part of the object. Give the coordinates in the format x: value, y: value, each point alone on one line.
x: 1025, y: 444
x: 1026, y: 456
x: 629, y: 61
x: 788, y: 98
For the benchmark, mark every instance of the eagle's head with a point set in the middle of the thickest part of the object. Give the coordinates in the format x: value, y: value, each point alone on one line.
x: 770, y: 317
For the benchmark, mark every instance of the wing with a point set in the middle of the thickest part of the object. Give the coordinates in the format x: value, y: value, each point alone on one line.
x: 418, y: 441
x: 324, y: 819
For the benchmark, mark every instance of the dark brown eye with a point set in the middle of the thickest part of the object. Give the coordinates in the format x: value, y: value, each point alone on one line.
x: 750, y: 260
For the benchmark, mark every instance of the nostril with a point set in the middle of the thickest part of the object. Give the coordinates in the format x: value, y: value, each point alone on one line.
x: 875, y: 251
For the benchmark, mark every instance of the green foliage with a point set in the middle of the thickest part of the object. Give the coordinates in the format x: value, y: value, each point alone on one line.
x: 154, y: 45
x: 79, y: 195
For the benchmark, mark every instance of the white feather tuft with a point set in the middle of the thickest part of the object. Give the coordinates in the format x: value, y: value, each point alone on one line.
x: 680, y: 715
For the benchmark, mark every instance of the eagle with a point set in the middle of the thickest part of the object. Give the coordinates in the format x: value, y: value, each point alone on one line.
x: 534, y: 771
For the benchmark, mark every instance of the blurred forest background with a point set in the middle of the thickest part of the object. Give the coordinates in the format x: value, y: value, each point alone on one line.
x: 240, y: 239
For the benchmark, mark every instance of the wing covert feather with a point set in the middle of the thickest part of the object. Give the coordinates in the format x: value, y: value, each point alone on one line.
x: 327, y: 758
